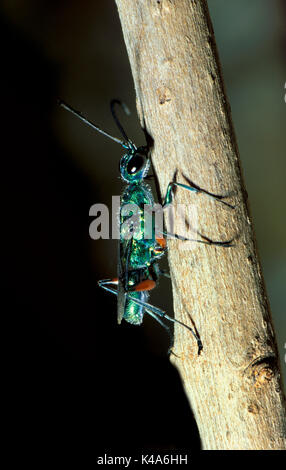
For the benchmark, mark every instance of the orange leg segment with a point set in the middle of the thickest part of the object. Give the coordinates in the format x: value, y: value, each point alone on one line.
x: 162, y: 241
x: 147, y: 284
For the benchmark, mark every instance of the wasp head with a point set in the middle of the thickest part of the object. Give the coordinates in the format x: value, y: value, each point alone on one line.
x: 134, y: 165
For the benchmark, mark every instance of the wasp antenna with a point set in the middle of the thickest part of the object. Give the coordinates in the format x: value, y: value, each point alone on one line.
x: 123, y: 105
x: 91, y: 124
x: 119, y: 125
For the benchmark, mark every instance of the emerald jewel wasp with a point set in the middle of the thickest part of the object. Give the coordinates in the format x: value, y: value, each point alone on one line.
x: 138, y: 257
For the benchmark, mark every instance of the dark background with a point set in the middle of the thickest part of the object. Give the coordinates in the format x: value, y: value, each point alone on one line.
x: 76, y: 377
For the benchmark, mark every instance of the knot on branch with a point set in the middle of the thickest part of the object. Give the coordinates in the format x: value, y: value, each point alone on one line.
x: 262, y: 370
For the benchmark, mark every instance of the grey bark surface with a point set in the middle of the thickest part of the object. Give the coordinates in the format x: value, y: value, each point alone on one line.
x: 234, y: 385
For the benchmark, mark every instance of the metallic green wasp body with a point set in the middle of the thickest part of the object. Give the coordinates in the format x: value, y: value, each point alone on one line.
x: 138, y: 256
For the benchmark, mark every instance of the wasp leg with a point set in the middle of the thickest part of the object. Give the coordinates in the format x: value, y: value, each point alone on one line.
x: 107, y: 282
x: 150, y: 310
x: 192, y: 187
x: 206, y: 241
x: 162, y: 272
x: 147, y: 284
x: 162, y: 242
x: 168, y: 201
x: 171, y: 337
x: 162, y: 314
x: 218, y: 197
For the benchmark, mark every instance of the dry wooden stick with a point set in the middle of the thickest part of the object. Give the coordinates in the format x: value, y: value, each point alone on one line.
x: 234, y: 386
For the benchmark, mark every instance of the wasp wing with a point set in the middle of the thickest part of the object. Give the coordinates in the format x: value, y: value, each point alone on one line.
x: 121, y: 296
x: 124, y: 251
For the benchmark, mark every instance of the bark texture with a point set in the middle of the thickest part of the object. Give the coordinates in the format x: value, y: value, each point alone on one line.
x: 234, y: 386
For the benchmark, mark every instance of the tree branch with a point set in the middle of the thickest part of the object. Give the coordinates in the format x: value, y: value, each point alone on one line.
x: 234, y: 385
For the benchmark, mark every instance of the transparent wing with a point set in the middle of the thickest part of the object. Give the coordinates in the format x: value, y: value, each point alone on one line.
x: 124, y: 251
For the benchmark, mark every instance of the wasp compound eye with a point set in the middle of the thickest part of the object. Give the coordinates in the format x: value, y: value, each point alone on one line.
x: 135, y: 163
